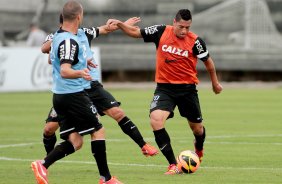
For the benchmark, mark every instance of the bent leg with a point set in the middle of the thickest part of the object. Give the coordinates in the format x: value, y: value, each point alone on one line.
x: 65, y: 148
x: 126, y: 125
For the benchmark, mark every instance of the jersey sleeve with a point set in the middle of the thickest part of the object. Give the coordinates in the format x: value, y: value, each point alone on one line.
x: 49, y: 37
x: 91, y: 33
x: 153, y: 33
x: 200, y: 49
x: 68, y: 51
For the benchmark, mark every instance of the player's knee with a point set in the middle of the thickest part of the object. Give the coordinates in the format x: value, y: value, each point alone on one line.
x: 49, y: 130
x: 100, y: 134
x: 76, y: 140
x: 197, y: 128
x: 116, y: 113
x: 78, y: 144
x: 156, y: 122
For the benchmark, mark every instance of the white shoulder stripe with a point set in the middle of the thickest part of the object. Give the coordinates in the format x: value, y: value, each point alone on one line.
x: 203, y: 54
x: 67, y: 47
x: 94, y: 32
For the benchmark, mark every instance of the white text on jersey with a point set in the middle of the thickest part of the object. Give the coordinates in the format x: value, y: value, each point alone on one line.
x: 174, y: 50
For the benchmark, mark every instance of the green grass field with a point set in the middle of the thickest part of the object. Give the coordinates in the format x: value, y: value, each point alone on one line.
x: 243, y: 144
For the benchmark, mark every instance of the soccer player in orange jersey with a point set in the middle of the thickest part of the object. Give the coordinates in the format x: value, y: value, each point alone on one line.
x: 177, y: 52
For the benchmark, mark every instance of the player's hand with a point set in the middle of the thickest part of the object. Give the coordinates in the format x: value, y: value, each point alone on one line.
x: 85, y: 74
x: 112, y: 24
x: 90, y: 63
x: 217, y: 88
x: 132, y: 21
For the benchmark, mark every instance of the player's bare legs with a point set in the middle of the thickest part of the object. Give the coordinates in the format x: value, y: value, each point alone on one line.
x: 129, y: 128
x: 76, y: 140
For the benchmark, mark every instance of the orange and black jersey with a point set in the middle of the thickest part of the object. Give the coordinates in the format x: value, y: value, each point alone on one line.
x: 176, y: 59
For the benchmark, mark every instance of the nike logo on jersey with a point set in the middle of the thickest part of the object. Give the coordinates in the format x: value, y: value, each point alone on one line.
x: 174, y: 50
x: 170, y: 61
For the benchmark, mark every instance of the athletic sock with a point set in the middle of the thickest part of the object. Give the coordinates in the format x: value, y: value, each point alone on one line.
x: 130, y: 129
x: 200, y: 139
x: 61, y: 150
x: 49, y: 142
x: 98, y: 148
x: 163, y: 142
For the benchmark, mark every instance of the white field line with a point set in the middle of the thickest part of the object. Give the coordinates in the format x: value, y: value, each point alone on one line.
x: 141, y: 165
x: 241, y: 136
x: 241, y: 143
x: 18, y: 145
x: 180, y: 140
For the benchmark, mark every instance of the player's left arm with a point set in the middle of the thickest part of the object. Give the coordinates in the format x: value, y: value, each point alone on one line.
x: 106, y: 29
x: 46, y: 46
x: 216, y: 86
x: 202, y: 53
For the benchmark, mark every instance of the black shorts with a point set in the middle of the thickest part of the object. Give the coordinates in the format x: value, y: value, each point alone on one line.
x: 76, y: 113
x: 52, y: 116
x: 184, y: 96
x: 101, y: 98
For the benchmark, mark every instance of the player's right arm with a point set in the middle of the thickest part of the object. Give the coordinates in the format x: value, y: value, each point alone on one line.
x: 105, y: 29
x: 68, y: 54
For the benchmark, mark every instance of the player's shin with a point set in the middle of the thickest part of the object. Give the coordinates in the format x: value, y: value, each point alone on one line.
x: 163, y: 142
x: 60, y: 151
x: 200, y: 139
x: 130, y: 129
x: 49, y: 142
x: 98, y: 148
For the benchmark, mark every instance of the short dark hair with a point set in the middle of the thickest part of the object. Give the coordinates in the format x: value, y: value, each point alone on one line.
x: 61, y: 19
x: 71, y: 10
x: 184, y: 14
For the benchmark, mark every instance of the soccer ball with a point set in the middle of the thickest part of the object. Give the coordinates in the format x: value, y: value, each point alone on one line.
x: 188, y: 161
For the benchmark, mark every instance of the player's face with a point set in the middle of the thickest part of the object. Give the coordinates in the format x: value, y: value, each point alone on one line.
x: 181, y: 27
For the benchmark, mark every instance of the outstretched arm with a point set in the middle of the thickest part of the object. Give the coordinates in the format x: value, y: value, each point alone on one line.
x: 130, y: 30
x: 105, y: 29
x: 216, y: 86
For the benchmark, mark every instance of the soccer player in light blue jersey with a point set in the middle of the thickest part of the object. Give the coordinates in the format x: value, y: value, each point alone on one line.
x: 76, y: 113
x: 101, y: 98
